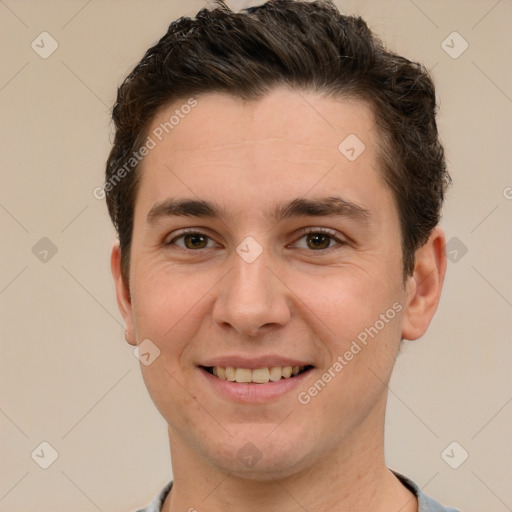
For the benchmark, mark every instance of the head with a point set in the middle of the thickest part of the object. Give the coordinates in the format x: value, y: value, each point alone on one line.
x: 309, y: 47
x: 247, y: 111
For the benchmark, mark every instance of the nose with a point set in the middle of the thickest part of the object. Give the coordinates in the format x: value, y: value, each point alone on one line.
x: 253, y: 298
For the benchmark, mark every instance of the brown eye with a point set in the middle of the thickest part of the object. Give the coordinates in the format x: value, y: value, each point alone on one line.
x: 320, y: 239
x: 195, y: 241
x: 192, y: 240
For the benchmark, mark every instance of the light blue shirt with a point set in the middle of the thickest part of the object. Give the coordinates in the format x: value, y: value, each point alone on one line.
x: 425, y: 504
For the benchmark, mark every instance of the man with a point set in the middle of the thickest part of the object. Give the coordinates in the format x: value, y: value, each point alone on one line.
x: 276, y: 182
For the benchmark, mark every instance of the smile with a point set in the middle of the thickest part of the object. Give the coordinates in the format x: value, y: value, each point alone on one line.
x: 256, y: 375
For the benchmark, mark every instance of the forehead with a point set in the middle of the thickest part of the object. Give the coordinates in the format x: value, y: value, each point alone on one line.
x: 286, y: 141
x: 283, y: 113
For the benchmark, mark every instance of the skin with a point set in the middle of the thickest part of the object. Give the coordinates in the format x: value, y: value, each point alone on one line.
x: 196, y: 303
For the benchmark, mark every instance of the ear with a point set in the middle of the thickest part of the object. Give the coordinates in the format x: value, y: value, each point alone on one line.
x: 424, y: 286
x: 124, y: 302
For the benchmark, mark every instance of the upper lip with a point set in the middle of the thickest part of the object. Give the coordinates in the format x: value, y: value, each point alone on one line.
x: 268, y: 361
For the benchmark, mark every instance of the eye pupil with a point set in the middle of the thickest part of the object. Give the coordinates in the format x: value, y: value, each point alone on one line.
x: 317, y: 236
x: 193, y: 237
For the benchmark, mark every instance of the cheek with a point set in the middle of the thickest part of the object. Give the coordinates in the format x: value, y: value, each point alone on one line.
x: 164, y: 302
x: 363, y: 312
x: 352, y: 300
x: 177, y: 403
x: 166, y: 308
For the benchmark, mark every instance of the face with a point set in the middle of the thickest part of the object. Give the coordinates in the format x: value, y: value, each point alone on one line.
x: 290, y: 262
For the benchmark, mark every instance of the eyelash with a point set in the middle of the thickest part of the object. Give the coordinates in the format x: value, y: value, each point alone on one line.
x: 323, y: 231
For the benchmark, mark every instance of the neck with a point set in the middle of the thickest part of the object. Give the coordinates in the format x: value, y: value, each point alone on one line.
x: 354, y: 478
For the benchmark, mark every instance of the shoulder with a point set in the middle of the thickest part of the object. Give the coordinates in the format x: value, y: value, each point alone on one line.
x: 158, y: 501
x: 425, y: 503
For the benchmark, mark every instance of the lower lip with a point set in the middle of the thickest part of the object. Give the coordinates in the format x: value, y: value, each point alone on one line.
x: 250, y: 392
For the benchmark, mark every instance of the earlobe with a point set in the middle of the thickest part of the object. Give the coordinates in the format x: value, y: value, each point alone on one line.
x: 424, y: 286
x: 122, y: 293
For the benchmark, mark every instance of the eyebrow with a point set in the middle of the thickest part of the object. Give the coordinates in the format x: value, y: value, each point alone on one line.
x: 332, y: 206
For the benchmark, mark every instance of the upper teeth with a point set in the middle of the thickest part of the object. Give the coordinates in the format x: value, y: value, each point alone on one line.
x: 258, y: 375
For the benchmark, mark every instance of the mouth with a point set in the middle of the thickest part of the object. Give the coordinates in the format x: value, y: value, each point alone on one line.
x: 257, y: 375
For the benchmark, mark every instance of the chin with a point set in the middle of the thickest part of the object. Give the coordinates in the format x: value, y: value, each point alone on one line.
x: 260, y: 456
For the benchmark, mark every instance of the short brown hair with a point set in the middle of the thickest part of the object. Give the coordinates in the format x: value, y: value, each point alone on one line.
x: 308, y: 46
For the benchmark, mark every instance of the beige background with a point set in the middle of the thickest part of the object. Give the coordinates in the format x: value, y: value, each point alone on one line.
x: 66, y: 375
